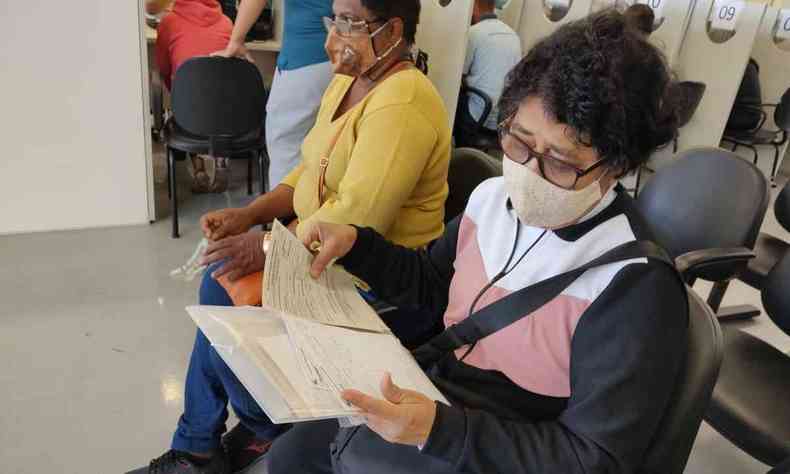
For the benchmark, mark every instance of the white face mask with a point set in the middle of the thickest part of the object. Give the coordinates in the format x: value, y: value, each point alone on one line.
x: 542, y: 204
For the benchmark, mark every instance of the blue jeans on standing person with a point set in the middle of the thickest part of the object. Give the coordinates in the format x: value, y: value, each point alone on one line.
x: 210, y: 386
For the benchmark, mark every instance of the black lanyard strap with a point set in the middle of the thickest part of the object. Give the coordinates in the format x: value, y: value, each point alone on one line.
x: 526, y: 301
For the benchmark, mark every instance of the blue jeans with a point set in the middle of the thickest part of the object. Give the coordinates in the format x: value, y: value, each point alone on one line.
x: 210, y: 386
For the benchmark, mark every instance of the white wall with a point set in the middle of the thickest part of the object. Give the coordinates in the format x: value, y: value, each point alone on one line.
x: 720, y: 66
x: 511, y: 13
x: 73, y: 151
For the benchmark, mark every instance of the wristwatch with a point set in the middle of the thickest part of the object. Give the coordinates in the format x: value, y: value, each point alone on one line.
x: 266, y: 243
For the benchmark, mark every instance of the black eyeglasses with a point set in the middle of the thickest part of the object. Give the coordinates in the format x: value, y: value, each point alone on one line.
x: 551, y: 168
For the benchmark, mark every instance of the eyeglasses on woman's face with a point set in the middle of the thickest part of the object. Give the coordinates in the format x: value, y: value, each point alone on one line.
x: 552, y: 166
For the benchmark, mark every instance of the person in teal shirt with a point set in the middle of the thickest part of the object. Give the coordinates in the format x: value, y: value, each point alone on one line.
x: 302, y: 75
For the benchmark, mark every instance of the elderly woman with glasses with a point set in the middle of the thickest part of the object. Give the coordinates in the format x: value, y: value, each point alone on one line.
x: 578, y: 384
x: 376, y: 157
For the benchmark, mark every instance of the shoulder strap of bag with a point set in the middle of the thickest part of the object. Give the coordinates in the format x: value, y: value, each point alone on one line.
x: 526, y: 301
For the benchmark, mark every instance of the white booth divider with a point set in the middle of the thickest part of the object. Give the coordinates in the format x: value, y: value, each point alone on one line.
x: 672, y: 19
x: 774, y: 61
x: 719, y: 65
x: 535, y: 24
x: 511, y: 13
x: 443, y: 34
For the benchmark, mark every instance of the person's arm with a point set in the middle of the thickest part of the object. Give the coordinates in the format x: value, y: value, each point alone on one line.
x: 246, y: 16
x: 276, y: 204
x: 404, y: 277
x: 627, y: 353
x: 393, y: 148
x: 248, y: 13
x: 163, y: 63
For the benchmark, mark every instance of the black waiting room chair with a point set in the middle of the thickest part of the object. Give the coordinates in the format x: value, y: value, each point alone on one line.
x: 769, y: 249
x: 687, y: 96
x: 218, y: 109
x: 471, y: 133
x: 706, y: 209
x: 468, y: 168
x: 751, y: 401
x: 669, y: 451
x: 762, y: 136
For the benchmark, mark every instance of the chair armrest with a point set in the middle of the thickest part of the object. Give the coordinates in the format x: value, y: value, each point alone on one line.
x: 690, y: 264
x: 488, y: 104
x: 756, y: 108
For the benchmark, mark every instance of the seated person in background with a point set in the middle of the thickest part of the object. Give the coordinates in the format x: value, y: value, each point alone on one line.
x: 194, y: 28
x: 640, y: 17
x: 581, y: 384
x: 493, y: 49
x: 384, y: 129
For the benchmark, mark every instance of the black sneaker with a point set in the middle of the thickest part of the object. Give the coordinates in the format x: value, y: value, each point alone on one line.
x: 242, y: 448
x: 178, y: 462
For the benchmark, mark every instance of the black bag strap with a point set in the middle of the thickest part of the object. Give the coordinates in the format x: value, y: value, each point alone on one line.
x: 526, y: 301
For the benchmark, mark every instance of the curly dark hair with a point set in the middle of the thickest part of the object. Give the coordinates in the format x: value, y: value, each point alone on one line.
x: 603, y: 80
x: 406, y: 10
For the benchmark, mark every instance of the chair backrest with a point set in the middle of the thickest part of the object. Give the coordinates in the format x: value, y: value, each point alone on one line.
x: 468, y: 168
x: 689, y: 96
x: 782, y: 207
x: 775, y: 294
x: 782, y: 112
x: 214, y: 96
x: 671, y: 446
x: 706, y: 198
x: 745, y: 114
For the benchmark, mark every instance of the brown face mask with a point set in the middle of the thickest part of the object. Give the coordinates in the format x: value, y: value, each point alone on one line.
x: 354, y: 55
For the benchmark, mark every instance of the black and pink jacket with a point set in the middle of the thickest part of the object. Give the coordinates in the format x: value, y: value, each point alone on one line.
x: 591, y: 371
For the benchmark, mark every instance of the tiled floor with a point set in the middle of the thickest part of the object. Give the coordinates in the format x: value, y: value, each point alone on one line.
x: 94, y: 342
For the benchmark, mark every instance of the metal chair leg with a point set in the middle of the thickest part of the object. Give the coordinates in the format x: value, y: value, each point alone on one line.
x: 734, y: 147
x: 263, y: 170
x: 249, y: 173
x: 717, y: 294
x: 169, y: 185
x: 756, y: 154
x: 638, y: 182
x: 773, y: 168
x: 171, y: 159
x: 675, y: 145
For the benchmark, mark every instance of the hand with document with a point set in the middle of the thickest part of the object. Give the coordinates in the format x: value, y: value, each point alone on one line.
x: 316, y: 350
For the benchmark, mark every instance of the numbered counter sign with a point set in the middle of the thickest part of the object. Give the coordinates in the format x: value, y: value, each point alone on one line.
x: 725, y: 14
x: 783, y: 25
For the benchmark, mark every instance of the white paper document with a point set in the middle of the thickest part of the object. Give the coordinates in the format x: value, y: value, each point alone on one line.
x: 321, y: 338
x: 331, y: 299
x: 296, y: 369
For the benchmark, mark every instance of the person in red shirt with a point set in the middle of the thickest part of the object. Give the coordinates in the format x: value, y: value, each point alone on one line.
x: 194, y: 28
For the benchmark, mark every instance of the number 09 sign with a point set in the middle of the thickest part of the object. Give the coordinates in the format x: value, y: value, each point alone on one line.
x: 725, y: 13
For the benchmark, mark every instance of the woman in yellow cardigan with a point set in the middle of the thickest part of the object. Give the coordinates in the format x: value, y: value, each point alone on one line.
x: 384, y: 130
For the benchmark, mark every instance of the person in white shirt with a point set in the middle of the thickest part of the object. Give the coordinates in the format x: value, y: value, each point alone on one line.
x: 493, y: 49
